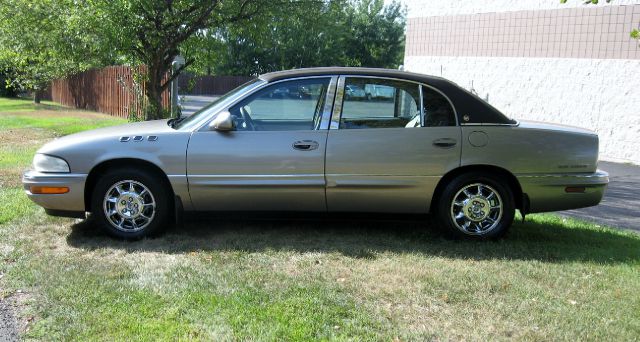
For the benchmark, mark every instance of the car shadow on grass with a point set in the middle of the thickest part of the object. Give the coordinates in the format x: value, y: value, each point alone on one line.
x: 551, y: 241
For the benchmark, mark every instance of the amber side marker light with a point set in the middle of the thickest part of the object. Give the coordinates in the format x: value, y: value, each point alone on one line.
x: 38, y: 190
x: 574, y: 189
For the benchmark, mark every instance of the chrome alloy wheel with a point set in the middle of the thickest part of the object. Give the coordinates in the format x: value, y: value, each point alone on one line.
x: 129, y: 206
x: 476, y: 209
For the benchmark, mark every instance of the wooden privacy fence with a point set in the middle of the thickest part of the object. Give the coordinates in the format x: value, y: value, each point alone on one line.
x: 111, y: 90
x: 209, y: 85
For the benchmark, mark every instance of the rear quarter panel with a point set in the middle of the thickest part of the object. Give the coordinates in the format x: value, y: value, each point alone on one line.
x: 545, y: 159
x: 530, y: 149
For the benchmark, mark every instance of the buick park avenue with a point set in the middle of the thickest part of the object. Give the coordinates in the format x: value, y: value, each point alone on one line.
x: 306, y: 141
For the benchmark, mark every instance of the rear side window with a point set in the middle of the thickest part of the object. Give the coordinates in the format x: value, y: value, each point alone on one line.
x: 437, y: 109
x: 380, y: 103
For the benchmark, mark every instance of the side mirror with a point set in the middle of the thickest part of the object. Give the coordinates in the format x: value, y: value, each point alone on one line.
x: 223, y: 122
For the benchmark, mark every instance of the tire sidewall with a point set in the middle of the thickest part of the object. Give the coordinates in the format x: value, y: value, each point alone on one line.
x: 445, y: 200
x: 156, y: 187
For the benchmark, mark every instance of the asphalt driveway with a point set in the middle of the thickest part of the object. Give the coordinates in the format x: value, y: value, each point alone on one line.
x: 621, y: 204
x: 192, y: 103
x: 8, y: 331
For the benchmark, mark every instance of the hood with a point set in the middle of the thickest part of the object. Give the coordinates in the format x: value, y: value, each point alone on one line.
x: 108, y: 133
x: 554, y: 127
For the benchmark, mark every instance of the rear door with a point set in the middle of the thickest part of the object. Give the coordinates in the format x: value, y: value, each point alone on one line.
x: 274, y: 159
x: 387, y: 153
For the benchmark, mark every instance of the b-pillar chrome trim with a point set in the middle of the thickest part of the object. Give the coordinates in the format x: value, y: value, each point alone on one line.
x: 337, y: 107
x: 328, y: 104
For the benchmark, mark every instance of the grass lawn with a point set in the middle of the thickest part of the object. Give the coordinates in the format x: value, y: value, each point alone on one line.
x: 551, y: 279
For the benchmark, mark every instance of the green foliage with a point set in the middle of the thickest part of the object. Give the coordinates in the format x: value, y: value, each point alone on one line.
x: 153, y: 33
x: 320, y: 33
x: 7, y: 88
x: 46, y: 39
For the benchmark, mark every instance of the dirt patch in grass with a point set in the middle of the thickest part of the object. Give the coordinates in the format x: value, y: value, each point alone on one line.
x: 17, y: 147
x: 24, y: 137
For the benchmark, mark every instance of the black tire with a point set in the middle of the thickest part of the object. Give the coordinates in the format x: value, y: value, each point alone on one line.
x: 479, y: 213
x: 137, y: 225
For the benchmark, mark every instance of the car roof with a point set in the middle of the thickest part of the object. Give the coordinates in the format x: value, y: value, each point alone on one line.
x: 470, y: 108
x: 392, y: 73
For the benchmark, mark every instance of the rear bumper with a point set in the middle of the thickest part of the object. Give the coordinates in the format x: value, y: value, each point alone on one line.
x: 71, y: 203
x: 547, y: 192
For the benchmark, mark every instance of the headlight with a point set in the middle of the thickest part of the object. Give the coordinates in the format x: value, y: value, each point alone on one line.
x: 45, y: 163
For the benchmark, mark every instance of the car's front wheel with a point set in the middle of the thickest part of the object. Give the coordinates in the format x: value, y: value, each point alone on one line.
x: 130, y: 203
x: 476, y: 205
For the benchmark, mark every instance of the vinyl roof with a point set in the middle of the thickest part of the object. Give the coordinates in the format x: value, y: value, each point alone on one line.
x: 470, y: 108
x: 278, y: 75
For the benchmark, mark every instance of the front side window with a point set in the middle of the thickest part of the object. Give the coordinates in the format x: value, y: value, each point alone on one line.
x: 380, y: 103
x: 284, y: 106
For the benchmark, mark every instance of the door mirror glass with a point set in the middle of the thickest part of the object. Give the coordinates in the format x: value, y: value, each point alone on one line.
x: 222, y: 122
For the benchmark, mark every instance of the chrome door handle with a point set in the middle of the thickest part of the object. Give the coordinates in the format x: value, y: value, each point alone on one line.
x: 445, y: 142
x: 305, y: 145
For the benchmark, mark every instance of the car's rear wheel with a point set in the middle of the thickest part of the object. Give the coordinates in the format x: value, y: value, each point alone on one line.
x: 477, y: 206
x: 130, y: 203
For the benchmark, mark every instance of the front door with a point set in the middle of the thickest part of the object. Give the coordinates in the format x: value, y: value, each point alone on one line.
x: 386, y: 151
x: 273, y: 160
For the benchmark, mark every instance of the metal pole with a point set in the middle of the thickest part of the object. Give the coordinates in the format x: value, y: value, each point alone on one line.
x: 174, y: 91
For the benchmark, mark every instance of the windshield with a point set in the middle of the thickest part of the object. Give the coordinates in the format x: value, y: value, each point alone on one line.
x: 203, y: 112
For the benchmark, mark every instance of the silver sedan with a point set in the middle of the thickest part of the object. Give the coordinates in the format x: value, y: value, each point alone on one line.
x: 427, y: 147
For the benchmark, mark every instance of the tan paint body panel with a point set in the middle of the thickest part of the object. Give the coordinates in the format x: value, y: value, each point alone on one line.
x: 544, y: 158
x: 387, y: 170
x: 363, y: 170
x: 256, y: 170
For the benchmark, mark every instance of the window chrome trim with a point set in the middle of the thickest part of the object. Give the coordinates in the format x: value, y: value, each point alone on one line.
x: 325, y: 120
x: 338, y: 102
x: 421, y: 106
x: 516, y: 124
x: 259, y: 86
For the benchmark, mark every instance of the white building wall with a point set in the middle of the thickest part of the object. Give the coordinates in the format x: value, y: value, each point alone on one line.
x: 599, y: 94
x: 435, y: 8
x: 602, y: 95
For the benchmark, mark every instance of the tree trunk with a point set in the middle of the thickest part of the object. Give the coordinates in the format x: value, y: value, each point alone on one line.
x: 37, y: 96
x: 154, y: 97
x: 154, y: 89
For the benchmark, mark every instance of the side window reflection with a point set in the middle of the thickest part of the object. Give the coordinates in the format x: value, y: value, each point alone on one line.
x: 380, y: 103
x: 284, y: 106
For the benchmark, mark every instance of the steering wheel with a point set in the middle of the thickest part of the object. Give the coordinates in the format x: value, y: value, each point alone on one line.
x: 244, y: 111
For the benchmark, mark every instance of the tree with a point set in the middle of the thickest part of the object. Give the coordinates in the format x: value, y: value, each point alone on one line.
x: 154, y: 33
x: 321, y: 33
x: 47, y: 39
x: 377, y: 34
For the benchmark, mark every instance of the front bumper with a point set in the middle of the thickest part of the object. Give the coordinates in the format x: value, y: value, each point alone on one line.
x: 70, y: 203
x: 548, y: 192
